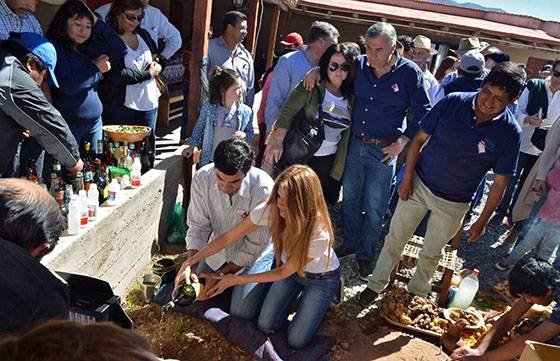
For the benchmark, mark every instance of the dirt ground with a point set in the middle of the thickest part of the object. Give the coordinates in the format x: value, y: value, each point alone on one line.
x: 361, y: 336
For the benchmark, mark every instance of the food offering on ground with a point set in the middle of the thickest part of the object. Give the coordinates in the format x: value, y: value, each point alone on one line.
x: 473, y: 318
x: 473, y: 338
x: 412, y: 311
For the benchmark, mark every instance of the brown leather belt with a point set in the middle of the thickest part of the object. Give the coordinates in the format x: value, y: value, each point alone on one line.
x: 383, y: 141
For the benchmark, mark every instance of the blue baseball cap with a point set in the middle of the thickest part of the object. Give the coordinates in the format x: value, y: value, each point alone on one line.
x: 41, y: 48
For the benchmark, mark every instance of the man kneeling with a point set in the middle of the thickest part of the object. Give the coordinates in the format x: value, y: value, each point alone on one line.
x: 537, y: 282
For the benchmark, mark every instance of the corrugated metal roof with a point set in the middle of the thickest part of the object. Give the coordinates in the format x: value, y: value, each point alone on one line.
x: 433, y: 18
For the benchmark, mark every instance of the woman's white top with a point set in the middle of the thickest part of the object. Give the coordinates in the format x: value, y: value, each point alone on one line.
x: 323, y: 257
x: 336, y: 119
x: 142, y: 96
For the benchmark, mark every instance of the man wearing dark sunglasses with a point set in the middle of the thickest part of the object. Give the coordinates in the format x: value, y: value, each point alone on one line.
x: 531, y: 114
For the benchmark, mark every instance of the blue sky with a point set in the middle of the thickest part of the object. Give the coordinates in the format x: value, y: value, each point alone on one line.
x: 544, y: 9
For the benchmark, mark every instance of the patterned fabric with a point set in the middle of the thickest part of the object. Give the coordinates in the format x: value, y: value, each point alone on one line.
x: 246, y: 334
x: 9, y: 21
x: 203, y: 134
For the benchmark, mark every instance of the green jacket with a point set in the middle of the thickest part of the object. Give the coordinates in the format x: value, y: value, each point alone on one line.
x: 299, y: 99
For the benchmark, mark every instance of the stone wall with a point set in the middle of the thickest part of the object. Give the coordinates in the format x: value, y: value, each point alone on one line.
x: 120, y: 244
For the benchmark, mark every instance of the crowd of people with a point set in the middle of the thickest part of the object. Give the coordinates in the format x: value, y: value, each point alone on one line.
x: 364, y: 125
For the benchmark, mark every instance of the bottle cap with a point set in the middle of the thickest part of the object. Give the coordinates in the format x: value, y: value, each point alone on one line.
x: 82, y: 193
x: 93, y: 186
x: 475, y: 272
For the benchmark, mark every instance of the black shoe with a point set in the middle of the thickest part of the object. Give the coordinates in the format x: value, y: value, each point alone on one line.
x: 364, y: 269
x: 342, y: 251
x: 367, y: 297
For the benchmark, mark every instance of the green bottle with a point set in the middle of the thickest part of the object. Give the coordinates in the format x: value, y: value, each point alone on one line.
x: 184, y: 295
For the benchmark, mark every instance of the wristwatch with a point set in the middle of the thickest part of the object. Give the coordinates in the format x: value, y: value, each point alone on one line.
x: 402, y: 141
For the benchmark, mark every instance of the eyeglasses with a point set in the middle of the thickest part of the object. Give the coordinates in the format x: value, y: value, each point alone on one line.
x: 344, y: 67
x: 132, y: 18
x: 556, y: 73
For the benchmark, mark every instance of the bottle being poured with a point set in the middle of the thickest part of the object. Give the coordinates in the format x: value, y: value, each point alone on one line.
x: 184, y: 295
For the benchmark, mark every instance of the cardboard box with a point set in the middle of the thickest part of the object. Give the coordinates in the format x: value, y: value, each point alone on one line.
x: 536, y: 351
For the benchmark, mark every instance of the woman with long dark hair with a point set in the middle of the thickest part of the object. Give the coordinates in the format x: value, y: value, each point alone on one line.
x: 85, y: 46
x: 130, y: 92
x: 335, y: 96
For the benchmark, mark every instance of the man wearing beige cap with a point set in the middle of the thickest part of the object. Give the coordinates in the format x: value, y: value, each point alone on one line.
x: 465, y: 44
x: 423, y: 53
x: 17, y: 16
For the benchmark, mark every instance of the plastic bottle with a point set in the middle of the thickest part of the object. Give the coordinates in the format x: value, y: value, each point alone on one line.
x: 136, y: 173
x: 74, y: 213
x: 125, y: 181
x: 82, y: 195
x: 114, y: 189
x: 466, y: 291
x: 93, y: 202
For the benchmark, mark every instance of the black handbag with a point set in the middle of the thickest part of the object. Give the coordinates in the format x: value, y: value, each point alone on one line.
x: 302, y: 140
x: 539, y: 138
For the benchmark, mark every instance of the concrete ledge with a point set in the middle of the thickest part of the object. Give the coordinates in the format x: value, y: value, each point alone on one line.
x: 119, y: 245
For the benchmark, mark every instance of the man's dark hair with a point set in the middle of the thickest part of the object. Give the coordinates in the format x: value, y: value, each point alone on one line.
x: 464, y: 74
x: 347, y: 85
x: 99, y: 341
x: 407, y: 42
x: 232, y: 156
x: 508, y: 76
x: 29, y: 216
x: 321, y: 29
x: 232, y: 18
x: 554, y: 64
x: 57, y: 30
x: 533, y: 276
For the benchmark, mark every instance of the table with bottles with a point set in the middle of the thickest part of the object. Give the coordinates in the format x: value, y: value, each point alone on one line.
x: 109, y: 169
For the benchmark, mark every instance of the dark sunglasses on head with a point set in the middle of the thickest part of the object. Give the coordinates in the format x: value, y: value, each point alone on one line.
x: 556, y: 73
x: 344, y: 67
x: 134, y: 18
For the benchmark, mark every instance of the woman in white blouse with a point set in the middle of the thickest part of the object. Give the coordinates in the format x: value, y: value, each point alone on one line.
x: 302, y: 235
x: 129, y: 91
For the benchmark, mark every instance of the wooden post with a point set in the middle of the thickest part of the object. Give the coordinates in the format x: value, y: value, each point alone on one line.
x: 201, y: 26
x: 272, y: 36
x: 252, y: 24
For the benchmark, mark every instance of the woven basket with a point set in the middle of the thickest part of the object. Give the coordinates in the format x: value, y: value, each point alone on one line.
x: 113, y: 132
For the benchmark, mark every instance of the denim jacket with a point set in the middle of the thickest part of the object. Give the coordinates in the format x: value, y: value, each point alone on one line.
x: 203, y: 134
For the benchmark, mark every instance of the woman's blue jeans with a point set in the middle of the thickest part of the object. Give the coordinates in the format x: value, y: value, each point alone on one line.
x: 317, y: 292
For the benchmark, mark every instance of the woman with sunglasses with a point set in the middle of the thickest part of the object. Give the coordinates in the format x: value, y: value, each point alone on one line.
x: 302, y: 235
x: 129, y: 91
x: 334, y: 94
x: 85, y: 46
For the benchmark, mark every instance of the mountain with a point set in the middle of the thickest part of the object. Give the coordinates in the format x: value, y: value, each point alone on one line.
x: 466, y: 5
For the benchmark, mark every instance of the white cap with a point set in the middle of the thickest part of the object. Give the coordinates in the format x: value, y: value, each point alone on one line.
x: 82, y: 193
x: 93, y: 186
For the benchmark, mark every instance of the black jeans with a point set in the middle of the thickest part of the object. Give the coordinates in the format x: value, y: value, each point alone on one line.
x: 331, y: 187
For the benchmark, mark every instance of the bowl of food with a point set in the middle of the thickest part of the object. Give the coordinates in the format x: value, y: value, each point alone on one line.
x: 473, y: 317
x: 127, y: 133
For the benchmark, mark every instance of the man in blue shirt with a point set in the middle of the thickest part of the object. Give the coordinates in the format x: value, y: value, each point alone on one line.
x: 469, y: 134
x: 292, y: 67
x: 227, y: 52
x: 387, y: 86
